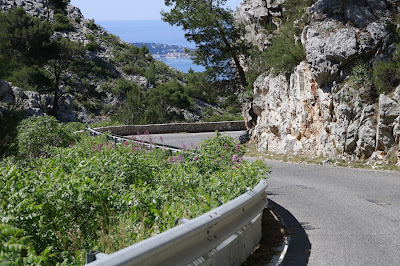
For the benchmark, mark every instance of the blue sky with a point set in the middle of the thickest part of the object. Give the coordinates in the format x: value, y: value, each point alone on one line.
x: 102, y: 10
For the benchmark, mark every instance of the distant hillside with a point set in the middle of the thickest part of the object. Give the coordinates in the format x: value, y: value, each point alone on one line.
x: 160, y: 51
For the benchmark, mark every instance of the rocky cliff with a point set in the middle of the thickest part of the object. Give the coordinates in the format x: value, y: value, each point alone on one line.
x: 322, y: 107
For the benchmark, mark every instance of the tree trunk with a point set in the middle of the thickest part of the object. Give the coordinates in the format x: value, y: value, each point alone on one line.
x: 235, y: 58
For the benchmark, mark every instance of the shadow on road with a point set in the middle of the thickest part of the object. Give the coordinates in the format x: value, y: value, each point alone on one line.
x: 299, y: 249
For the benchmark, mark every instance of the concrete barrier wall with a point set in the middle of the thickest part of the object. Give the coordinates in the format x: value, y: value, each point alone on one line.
x: 175, y: 128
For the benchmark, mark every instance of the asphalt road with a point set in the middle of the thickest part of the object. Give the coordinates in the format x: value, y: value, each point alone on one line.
x: 350, y: 216
x: 189, y: 140
x: 335, y: 215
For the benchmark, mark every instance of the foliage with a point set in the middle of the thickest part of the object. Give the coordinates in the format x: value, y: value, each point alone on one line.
x: 212, y: 28
x: 16, y: 248
x: 59, y: 4
x: 62, y: 23
x: 23, y: 41
x: 63, y: 54
x: 92, y: 46
x: 386, y: 76
x: 92, y: 25
x: 361, y: 73
x: 37, y: 133
x: 285, y: 53
x: 98, y: 196
x: 8, y: 132
x: 33, y: 78
x: 286, y: 50
x: 222, y: 117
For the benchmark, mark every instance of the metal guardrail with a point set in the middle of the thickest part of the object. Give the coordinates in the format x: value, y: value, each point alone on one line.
x: 119, y: 139
x: 226, y: 235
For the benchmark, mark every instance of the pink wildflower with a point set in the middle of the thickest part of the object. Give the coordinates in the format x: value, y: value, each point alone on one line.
x: 195, y: 159
x: 183, y: 145
x: 237, y: 147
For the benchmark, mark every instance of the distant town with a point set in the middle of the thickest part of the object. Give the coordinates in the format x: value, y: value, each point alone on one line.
x: 165, y: 51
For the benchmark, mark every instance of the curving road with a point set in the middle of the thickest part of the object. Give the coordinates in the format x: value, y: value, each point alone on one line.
x: 335, y: 215
x: 351, y: 216
x: 189, y: 140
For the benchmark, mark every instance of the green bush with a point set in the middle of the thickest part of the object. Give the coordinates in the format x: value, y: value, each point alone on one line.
x: 37, y: 134
x: 98, y: 196
x: 361, y: 73
x: 62, y: 23
x: 8, y: 132
x: 132, y: 69
x: 284, y: 53
x: 33, y: 78
x: 92, y: 46
x: 386, y: 76
x: 92, y: 25
x: 16, y: 249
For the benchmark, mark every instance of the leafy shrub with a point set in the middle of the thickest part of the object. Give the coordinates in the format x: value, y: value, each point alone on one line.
x: 37, y: 133
x: 92, y: 46
x: 92, y: 25
x: 285, y: 53
x: 132, y: 69
x: 361, y: 73
x: 62, y: 23
x: 31, y: 78
x: 386, y: 76
x: 222, y: 117
x: 123, y: 86
x: 16, y: 249
x: 8, y: 132
x: 98, y: 196
x: 286, y: 50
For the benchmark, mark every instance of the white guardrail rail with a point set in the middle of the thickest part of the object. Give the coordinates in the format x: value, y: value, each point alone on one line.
x: 226, y: 235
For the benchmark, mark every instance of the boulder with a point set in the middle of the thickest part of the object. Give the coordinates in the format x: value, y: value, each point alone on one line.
x: 389, y: 111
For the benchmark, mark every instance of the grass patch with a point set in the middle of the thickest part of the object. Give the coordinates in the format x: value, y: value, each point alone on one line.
x: 389, y: 164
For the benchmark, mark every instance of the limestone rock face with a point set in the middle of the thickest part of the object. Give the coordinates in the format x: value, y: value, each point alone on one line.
x: 292, y: 114
x: 254, y: 15
x: 297, y: 117
x: 318, y: 111
x: 339, y: 33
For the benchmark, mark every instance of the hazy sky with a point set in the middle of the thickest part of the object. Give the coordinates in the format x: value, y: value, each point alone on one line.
x: 126, y: 9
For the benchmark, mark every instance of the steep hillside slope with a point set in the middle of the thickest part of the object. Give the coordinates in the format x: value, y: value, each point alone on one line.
x: 342, y: 97
x: 99, y: 85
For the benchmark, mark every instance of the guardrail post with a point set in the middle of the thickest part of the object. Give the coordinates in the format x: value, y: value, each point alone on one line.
x: 90, y: 257
x: 95, y: 255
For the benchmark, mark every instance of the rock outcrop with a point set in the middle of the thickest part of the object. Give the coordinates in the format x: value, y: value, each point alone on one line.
x: 338, y: 34
x: 255, y: 15
x: 33, y: 103
x: 318, y: 111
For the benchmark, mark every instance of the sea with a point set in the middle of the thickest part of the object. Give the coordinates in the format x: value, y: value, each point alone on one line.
x: 154, y: 31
